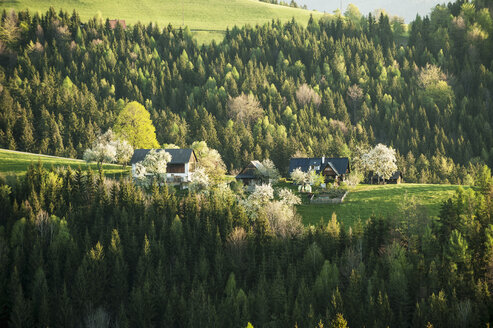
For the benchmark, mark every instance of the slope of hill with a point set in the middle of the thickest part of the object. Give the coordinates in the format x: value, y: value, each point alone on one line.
x: 17, y: 163
x: 207, y: 19
x: 380, y: 201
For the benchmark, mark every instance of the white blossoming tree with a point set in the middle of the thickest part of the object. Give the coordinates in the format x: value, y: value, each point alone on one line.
x: 287, y: 197
x: 200, y: 180
x: 283, y: 220
x: 210, y: 160
x: 281, y: 214
x: 124, y: 152
x: 299, y: 177
x: 108, y: 149
x: 268, y: 173
x: 103, y: 149
x: 153, y: 166
x: 381, y: 160
x: 304, y: 179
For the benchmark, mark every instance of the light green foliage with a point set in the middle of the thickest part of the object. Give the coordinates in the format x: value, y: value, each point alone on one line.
x: 134, y: 125
x: 210, y: 160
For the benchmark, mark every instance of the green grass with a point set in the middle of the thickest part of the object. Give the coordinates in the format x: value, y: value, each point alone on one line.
x: 364, y: 201
x: 17, y: 163
x: 209, y: 15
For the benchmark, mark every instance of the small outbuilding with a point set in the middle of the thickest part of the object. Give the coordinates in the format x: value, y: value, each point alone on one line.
x: 251, y: 175
x: 396, y: 178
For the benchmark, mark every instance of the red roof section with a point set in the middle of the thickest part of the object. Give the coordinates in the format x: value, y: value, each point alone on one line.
x: 114, y: 22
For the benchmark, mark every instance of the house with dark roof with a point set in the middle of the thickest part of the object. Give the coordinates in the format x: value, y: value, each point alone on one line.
x: 331, y: 168
x: 183, y: 163
x: 396, y: 178
x: 251, y: 175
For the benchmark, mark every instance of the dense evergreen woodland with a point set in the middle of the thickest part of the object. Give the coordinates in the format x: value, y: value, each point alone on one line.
x: 78, y: 250
x: 341, y: 82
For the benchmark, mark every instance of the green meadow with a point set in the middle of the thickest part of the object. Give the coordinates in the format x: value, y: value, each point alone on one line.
x: 17, y: 163
x: 208, y: 19
x: 364, y: 201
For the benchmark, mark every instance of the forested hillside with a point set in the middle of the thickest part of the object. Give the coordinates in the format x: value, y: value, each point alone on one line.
x: 322, y: 90
x: 79, y: 250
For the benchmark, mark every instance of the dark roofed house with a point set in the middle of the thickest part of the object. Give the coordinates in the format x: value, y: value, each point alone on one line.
x: 183, y: 163
x: 396, y: 178
x: 114, y: 23
x: 332, y: 168
x: 251, y: 174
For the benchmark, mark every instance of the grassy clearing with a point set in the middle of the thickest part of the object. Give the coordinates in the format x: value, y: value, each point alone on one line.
x: 213, y: 15
x: 17, y: 163
x: 364, y: 201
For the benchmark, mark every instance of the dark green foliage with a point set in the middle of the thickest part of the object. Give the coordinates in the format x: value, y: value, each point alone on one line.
x: 152, y: 259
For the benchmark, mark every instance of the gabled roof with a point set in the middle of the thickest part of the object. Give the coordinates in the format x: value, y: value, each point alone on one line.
x: 249, y: 171
x: 396, y: 175
x: 339, y: 165
x: 114, y: 23
x: 178, y: 156
x: 332, y: 166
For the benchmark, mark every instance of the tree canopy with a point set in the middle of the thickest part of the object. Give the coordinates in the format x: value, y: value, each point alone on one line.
x: 134, y: 125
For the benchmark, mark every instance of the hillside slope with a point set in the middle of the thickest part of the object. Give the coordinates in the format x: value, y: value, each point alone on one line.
x: 207, y: 19
x: 17, y: 163
x: 366, y: 201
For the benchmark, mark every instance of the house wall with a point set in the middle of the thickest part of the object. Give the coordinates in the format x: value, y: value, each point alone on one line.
x: 175, y: 177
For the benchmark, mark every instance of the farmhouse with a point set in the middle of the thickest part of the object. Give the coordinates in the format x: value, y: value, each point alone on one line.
x: 335, y: 169
x: 396, y: 178
x: 183, y: 163
x: 251, y: 174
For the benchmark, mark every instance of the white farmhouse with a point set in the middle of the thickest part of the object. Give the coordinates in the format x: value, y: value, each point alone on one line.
x: 178, y: 172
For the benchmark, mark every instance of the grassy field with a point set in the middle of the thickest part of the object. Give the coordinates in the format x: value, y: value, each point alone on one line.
x: 209, y: 16
x: 17, y: 163
x: 365, y: 200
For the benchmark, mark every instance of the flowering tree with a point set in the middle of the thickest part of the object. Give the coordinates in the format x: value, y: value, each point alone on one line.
x: 299, y: 177
x: 103, y: 149
x: 287, y: 197
x: 108, y: 149
x: 305, y: 179
x: 281, y: 214
x: 268, y: 173
x: 154, y: 165
x: 209, y: 159
x: 200, y: 180
x: 124, y: 152
x: 283, y: 220
x: 381, y: 160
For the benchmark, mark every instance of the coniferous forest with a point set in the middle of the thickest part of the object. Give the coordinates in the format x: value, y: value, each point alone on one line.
x: 323, y: 89
x: 78, y: 249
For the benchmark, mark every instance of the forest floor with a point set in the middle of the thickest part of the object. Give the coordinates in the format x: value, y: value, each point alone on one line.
x: 363, y: 201
x: 17, y: 163
x: 207, y: 20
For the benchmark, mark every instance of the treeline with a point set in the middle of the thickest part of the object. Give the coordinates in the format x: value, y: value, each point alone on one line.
x: 339, y: 83
x: 284, y: 3
x: 77, y: 249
